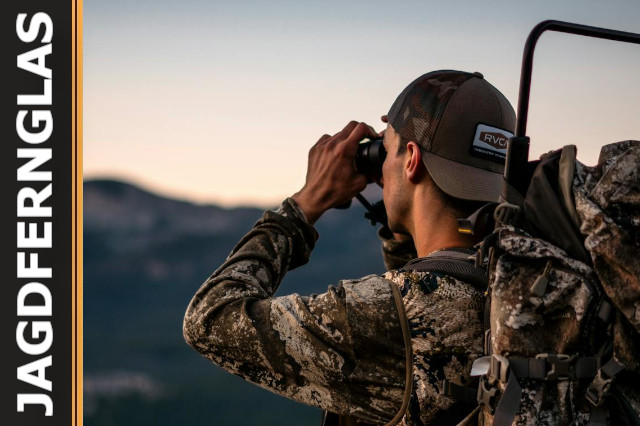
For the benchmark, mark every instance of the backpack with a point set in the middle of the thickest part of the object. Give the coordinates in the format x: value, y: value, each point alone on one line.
x: 563, y: 300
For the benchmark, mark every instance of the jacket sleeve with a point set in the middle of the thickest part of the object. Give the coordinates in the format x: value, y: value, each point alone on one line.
x: 341, y: 351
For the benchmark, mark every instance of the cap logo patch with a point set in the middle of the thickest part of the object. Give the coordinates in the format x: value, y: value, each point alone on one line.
x: 490, y: 143
x: 495, y: 139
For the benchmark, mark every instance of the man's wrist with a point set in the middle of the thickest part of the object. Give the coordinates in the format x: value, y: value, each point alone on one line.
x: 311, y: 212
x: 302, y: 234
x: 291, y: 208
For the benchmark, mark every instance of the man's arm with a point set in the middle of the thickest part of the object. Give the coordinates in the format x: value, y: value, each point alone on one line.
x: 341, y: 351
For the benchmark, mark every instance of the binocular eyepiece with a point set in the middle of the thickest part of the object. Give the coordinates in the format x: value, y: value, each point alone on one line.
x: 369, y: 158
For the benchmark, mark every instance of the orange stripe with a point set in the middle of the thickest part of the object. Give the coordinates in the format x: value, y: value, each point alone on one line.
x: 76, y: 209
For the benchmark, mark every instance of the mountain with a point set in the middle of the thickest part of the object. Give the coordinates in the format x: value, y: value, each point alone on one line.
x: 111, y: 205
x: 144, y: 257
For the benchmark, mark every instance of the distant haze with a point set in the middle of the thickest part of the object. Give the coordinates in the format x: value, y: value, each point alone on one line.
x: 216, y: 101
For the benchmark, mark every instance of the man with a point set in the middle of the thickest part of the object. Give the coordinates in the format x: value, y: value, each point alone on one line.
x: 374, y: 350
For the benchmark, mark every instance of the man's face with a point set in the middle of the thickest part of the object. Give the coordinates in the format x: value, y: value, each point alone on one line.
x: 394, y: 186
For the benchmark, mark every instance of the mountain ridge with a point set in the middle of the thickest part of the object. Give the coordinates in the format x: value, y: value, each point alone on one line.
x: 113, y: 204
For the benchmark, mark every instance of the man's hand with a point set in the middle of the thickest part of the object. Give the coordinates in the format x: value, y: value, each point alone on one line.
x: 332, y: 178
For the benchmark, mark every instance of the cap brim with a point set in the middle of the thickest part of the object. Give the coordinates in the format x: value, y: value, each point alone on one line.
x: 462, y: 181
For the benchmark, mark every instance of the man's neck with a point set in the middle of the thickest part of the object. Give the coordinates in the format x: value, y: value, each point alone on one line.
x: 435, y: 228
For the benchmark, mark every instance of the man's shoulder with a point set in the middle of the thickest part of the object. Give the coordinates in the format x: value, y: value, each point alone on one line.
x: 420, y: 283
x: 372, y: 312
x: 370, y: 289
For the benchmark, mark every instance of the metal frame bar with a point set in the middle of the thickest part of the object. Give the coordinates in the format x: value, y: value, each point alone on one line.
x: 529, y: 47
x: 518, y: 148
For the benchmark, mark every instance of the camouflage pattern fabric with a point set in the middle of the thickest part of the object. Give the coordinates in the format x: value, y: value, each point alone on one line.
x: 342, y: 351
x: 395, y: 253
x: 608, y: 203
x: 445, y: 321
x: 524, y: 324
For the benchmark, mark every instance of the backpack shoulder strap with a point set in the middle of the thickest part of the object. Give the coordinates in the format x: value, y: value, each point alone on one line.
x: 458, y: 263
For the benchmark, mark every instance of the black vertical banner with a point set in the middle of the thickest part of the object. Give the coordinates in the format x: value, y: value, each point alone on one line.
x: 41, y: 316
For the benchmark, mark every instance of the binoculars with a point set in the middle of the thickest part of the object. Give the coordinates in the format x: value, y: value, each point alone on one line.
x: 369, y: 158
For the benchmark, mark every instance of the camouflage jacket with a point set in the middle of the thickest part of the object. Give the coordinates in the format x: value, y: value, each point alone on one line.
x: 343, y: 351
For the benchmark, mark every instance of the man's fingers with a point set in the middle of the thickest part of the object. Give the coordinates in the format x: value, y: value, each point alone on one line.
x: 347, y: 130
x: 355, y: 129
x: 359, y: 132
x: 349, y: 137
x: 323, y: 138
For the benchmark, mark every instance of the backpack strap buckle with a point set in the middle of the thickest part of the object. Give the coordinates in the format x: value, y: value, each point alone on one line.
x: 601, y: 384
x: 499, y: 368
x: 488, y: 386
x: 598, y: 389
x: 487, y: 393
x: 509, y: 403
x: 561, y: 366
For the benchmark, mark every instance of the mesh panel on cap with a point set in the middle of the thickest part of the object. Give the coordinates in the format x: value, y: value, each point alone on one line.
x: 417, y: 111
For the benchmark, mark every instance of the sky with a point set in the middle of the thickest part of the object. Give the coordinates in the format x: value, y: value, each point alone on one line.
x: 220, y: 101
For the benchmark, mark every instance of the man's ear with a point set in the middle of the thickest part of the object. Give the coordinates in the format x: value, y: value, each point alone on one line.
x: 413, y: 166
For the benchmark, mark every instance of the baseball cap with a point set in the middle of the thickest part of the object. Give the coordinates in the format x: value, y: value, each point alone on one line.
x: 461, y: 123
